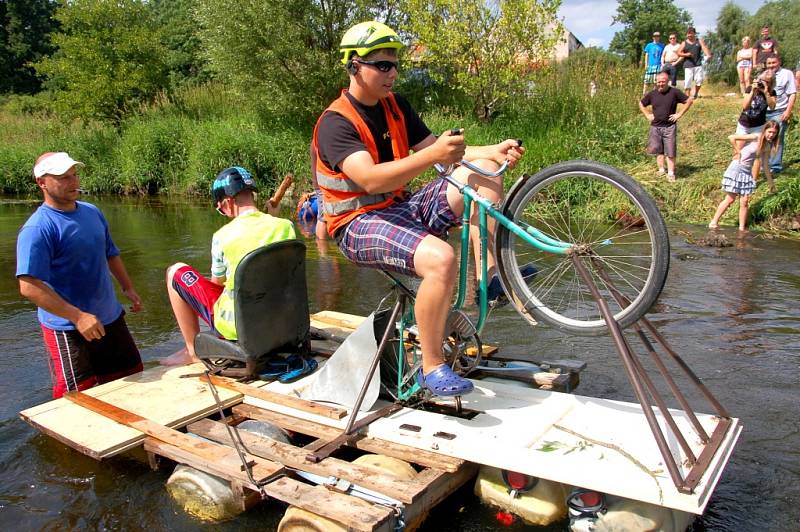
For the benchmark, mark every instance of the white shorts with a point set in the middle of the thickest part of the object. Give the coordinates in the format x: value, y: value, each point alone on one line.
x: 692, y: 74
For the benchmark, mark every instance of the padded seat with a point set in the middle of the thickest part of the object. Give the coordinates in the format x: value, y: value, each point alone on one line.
x: 270, y: 299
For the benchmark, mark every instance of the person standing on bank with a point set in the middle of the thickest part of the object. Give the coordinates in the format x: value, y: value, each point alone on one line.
x: 744, y: 64
x: 652, y: 61
x: 785, y: 94
x: 65, y: 261
x: 759, y: 98
x: 670, y: 60
x: 691, y: 50
x: 663, y: 137
x: 364, y: 141
x: 763, y: 49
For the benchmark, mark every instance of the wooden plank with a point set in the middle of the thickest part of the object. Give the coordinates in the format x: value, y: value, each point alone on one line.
x: 213, y: 458
x: 436, y: 486
x: 160, y: 394
x: 291, y: 401
x: 354, y: 513
x: 338, y: 319
x: 372, y: 445
x: 295, y: 457
x: 208, y: 452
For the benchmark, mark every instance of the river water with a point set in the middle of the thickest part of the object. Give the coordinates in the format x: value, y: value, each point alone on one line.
x: 732, y: 313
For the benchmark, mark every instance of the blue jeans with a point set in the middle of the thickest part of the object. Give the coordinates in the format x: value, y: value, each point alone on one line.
x: 672, y: 70
x: 776, y: 161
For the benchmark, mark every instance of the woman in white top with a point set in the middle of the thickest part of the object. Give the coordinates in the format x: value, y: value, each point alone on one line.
x: 744, y: 64
x: 670, y: 59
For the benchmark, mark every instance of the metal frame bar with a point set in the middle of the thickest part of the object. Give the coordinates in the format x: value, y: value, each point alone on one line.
x: 644, y: 386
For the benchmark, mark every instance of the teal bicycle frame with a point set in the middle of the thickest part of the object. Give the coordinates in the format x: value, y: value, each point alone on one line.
x: 528, y: 234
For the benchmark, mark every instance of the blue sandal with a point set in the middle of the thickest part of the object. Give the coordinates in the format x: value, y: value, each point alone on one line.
x: 444, y: 382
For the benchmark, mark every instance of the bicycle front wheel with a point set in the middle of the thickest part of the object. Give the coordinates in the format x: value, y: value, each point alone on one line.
x: 610, y: 223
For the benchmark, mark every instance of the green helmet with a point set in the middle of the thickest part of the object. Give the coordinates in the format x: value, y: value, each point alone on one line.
x: 366, y: 37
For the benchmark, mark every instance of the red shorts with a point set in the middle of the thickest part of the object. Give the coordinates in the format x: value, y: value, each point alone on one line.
x: 77, y: 364
x: 199, y: 292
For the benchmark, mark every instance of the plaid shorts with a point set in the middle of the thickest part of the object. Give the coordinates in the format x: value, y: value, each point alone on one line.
x: 387, y: 239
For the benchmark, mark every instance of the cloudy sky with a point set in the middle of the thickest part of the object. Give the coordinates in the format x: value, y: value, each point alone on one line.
x: 590, y: 20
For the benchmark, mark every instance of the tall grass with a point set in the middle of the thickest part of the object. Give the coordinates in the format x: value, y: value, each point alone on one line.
x: 179, y: 143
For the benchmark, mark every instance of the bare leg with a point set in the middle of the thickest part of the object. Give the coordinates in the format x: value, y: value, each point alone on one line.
x: 187, y: 323
x: 492, y: 189
x: 670, y: 168
x: 660, y: 162
x: 721, y: 208
x: 744, y: 202
x: 434, y: 261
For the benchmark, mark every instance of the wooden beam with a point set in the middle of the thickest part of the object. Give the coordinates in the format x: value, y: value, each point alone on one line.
x: 295, y: 457
x: 212, y: 454
x: 278, y: 398
x: 372, y: 445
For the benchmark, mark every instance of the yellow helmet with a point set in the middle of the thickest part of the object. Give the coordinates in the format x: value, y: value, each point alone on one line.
x: 365, y: 37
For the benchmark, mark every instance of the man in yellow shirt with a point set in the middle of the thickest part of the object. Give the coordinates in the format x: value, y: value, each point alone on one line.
x: 192, y: 295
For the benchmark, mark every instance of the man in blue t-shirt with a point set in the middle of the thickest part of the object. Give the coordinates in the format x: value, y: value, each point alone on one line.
x: 652, y: 60
x: 65, y: 259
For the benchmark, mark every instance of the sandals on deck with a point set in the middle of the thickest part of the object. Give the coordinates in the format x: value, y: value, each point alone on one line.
x: 444, y: 382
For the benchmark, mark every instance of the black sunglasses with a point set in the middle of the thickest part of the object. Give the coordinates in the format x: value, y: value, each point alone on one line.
x: 383, y: 66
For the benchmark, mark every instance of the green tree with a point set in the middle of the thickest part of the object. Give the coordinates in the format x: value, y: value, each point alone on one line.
x: 109, y: 57
x: 725, y: 41
x: 485, y: 50
x: 282, y: 54
x: 24, y: 37
x: 640, y: 19
x: 177, y: 22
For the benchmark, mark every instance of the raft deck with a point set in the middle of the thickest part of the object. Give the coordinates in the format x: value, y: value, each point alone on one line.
x: 582, y: 441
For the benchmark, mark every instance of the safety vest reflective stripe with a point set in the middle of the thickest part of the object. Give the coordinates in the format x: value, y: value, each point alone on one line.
x: 352, y: 204
x: 334, y: 183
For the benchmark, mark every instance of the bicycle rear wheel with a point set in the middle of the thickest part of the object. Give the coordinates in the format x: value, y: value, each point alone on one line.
x: 613, y: 226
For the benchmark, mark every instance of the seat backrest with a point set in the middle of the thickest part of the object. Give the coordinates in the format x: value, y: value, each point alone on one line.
x: 270, y: 298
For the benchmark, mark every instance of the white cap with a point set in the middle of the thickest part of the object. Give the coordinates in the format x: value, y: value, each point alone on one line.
x: 55, y: 164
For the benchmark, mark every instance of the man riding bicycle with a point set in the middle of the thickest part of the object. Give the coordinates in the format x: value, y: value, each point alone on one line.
x: 370, y: 143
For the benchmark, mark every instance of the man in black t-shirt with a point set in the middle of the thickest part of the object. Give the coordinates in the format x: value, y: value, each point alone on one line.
x: 663, y: 138
x: 370, y: 144
x: 763, y: 49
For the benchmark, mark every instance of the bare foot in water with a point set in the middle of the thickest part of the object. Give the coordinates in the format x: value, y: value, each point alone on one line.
x: 179, y: 358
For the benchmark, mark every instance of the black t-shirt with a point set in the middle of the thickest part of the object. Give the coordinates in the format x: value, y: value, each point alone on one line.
x: 664, y: 104
x: 693, y: 60
x: 765, y: 49
x: 756, y: 114
x: 338, y: 138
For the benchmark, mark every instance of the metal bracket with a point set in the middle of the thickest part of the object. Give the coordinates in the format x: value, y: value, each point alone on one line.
x: 644, y: 387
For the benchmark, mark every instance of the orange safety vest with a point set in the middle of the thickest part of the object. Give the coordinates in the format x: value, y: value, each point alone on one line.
x: 342, y: 199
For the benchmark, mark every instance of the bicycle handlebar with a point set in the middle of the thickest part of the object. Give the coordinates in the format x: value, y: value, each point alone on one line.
x: 443, y: 170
